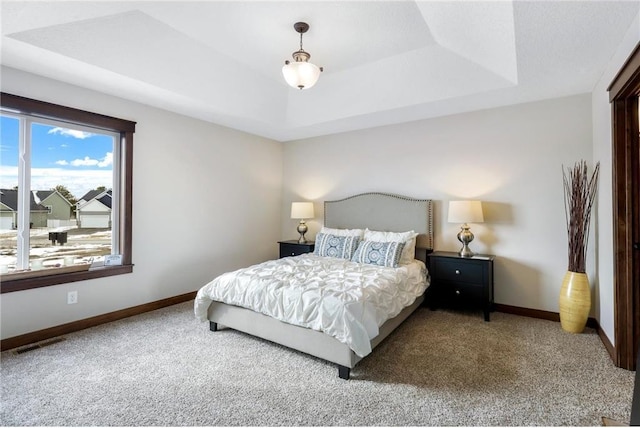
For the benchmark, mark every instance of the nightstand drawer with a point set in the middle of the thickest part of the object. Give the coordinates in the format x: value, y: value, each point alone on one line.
x: 288, y: 248
x: 454, y: 270
x: 460, y: 291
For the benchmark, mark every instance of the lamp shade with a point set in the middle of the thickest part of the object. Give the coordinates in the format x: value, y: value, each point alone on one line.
x: 465, y: 212
x: 302, y: 210
x: 301, y: 74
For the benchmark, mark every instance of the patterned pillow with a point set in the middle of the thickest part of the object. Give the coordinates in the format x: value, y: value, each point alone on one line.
x: 409, y: 239
x: 378, y: 253
x: 342, y: 247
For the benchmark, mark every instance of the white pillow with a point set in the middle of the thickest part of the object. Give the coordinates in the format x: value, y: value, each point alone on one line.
x: 342, y: 232
x: 408, y: 238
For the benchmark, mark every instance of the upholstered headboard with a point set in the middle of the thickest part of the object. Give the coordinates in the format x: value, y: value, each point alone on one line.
x: 383, y: 211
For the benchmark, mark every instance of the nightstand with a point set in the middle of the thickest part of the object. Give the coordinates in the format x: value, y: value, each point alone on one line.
x: 462, y: 280
x: 294, y: 248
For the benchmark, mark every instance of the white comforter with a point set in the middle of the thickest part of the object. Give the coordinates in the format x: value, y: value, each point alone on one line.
x: 344, y: 299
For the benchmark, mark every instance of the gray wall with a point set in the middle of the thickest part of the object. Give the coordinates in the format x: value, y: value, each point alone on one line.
x: 509, y: 157
x: 226, y: 184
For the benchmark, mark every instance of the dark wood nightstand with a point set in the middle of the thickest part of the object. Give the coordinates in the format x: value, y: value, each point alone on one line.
x: 462, y: 280
x: 294, y: 248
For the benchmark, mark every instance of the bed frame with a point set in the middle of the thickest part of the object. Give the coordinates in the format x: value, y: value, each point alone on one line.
x: 376, y: 211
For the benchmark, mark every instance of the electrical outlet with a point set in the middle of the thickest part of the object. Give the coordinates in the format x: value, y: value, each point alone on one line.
x: 72, y: 297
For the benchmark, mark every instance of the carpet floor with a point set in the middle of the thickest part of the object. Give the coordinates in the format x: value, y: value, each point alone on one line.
x: 441, y: 368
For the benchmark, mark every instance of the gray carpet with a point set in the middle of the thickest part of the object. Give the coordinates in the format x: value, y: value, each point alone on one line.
x: 439, y: 368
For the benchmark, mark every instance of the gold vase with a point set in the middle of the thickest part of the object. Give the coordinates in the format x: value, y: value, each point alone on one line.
x: 575, y: 302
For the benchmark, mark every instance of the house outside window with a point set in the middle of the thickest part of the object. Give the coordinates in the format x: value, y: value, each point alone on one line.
x: 65, y: 194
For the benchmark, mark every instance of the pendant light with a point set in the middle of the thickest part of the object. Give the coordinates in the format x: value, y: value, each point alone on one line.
x: 301, y: 74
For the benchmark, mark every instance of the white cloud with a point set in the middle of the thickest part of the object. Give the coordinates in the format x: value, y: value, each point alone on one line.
x: 70, y: 133
x: 106, y: 161
x: 87, y: 161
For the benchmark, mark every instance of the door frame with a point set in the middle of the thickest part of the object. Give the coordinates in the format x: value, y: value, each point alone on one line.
x: 623, y: 95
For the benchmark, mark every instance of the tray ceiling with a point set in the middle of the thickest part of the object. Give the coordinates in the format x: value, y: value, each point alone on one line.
x: 384, y: 62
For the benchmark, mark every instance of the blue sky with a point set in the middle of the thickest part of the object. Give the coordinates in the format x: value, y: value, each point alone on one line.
x: 79, y: 160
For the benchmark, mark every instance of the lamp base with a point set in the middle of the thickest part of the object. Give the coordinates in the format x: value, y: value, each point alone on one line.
x: 466, y: 252
x: 465, y: 236
x: 302, y: 229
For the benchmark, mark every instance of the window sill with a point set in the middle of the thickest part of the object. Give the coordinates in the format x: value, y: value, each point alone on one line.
x: 11, y: 285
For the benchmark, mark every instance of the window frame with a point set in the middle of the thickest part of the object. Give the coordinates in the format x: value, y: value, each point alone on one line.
x: 125, y: 129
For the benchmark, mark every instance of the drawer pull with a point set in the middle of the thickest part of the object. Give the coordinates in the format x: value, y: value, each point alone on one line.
x: 457, y: 272
x: 293, y: 254
x: 458, y: 292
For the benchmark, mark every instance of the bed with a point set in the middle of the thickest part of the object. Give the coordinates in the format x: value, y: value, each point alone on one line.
x: 373, y: 211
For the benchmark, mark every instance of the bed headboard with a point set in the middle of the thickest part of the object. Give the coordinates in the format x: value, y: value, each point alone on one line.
x: 383, y: 211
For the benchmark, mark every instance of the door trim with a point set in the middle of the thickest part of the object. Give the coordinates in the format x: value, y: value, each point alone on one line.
x: 623, y: 95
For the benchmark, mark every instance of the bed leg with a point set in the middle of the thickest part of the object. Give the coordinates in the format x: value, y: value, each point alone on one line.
x: 213, y: 326
x: 343, y: 372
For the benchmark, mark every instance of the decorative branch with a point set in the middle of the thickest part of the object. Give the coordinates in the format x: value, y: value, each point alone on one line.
x: 579, y: 195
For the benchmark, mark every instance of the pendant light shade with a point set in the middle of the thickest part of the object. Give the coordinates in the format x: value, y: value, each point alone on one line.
x: 300, y: 73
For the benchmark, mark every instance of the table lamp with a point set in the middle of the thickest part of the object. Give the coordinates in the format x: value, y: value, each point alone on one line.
x: 302, y: 211
x: 465, y: 212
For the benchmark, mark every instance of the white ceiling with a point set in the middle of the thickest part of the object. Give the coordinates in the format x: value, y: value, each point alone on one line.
x: 385, y: 62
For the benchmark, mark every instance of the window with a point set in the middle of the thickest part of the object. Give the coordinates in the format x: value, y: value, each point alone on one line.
x: 65, y: 183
